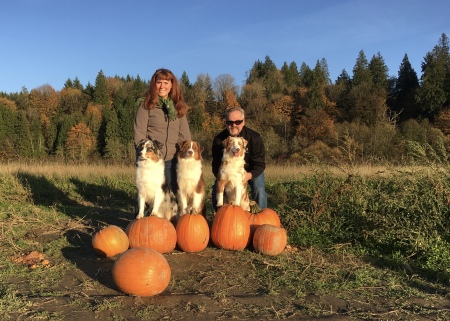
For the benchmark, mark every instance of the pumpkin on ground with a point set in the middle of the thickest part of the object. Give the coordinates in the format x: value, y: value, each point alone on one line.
x: 110, y: 241
x: 258, y: 216
x: 142, y: 272
x: 152, y: 232
x: 269, y: 239
x: 230, y: 228
x: 192, y: 233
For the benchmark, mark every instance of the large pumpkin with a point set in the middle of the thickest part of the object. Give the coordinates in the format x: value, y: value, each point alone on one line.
x: 142, y: 272
x: 230, y: 228
x: 152, y: 232
x: 192, y: 233
x: 269, y: 239
x: 110, y: 241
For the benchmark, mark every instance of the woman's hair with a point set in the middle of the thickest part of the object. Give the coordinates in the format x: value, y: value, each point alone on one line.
x: 151, y: 95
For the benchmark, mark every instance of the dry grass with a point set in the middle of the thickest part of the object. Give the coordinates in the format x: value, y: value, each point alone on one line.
x: 274, y: 173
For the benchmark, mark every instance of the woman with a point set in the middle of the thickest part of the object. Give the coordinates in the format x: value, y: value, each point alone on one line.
x: 162, y: 117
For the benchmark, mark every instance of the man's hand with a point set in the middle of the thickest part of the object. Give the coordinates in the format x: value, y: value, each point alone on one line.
x: 248, y: 176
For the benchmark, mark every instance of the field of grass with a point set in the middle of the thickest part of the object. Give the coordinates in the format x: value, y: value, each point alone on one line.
x: 368, y: 243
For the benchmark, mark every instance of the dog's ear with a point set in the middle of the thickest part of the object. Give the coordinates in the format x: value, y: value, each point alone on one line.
x: 225, y: 141
x: 140, y: 143
x: 200, y: 148
x: 181, y: 144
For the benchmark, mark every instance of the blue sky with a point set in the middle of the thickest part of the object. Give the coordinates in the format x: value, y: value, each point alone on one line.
x: 49, y: 41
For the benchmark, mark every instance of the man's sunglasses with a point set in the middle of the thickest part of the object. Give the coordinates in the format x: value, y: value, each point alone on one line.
x: 236, y: 122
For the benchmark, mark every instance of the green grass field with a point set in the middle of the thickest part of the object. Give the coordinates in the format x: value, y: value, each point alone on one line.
x: 367, y: 243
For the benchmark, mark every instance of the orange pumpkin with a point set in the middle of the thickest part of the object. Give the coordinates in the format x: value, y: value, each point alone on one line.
x: 269, y: 239
x: 258, y: 216
x: 142, y: 272
x: 152, y: 232
x: 230, y: 228
x: 192, y: 233
x: 110, y: 241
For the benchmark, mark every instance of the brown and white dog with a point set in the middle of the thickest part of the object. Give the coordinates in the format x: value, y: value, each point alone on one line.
x: 151, y: 182
x: 230, y: 180
x: 191, y: 186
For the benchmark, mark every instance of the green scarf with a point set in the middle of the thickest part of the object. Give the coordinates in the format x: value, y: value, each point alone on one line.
x: 168, y: 104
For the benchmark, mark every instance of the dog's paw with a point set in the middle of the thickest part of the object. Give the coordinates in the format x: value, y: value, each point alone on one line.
x: 139, y: 216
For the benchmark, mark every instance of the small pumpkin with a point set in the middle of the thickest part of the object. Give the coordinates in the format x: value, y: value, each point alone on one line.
x: 110, y: 241
x: 192, y: 233
x: 152, y: 232
x: 269, y: 239
x: 142, y: 272
x: 230, y: 228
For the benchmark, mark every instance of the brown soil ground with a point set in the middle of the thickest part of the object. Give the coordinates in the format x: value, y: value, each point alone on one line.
x: 213, y: 284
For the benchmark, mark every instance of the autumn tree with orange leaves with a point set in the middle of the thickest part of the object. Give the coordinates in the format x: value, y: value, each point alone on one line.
x: 79, y: 142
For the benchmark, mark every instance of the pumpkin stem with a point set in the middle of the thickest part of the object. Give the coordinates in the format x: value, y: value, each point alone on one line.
x: 254, y: 207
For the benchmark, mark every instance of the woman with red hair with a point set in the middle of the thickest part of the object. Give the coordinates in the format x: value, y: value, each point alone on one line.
x: 161, y: 116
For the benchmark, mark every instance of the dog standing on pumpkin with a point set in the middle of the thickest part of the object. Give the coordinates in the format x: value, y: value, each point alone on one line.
x: 231, y: 188
x: 151, y: 182
x: 191, y: 185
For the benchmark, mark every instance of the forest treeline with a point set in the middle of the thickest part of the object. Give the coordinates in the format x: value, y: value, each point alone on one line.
x: 303, y: 115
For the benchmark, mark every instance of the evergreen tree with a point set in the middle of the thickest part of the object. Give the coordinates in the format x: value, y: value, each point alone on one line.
x: 290, y: 74
x: 306, y: 76
x: 23, y: 99
x: 68, y: 83
x: 268, y: 74
x: 323, y: 65
x: 65, y: 123
x: 89, y: 91
x: 126, y: 115
x: 77, y: 84
x: 434, y: 93
x: 343, y: 101
x: 139, y: 87
x: 379, y: 72
x: 7, y: 129
x: 113, y: 147
x: 100, y: 91
x: 186, y: 88
x: 37, y: 138
x: 361, y: 72
x: 24, y: 139
x: 256, y: 73
x: 405, y: 89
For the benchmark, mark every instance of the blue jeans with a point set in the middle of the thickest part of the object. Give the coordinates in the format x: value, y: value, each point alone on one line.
x: 170, y: 172
x: 257, y: 191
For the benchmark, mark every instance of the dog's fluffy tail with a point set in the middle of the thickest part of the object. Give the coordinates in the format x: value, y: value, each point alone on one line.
x: 169, y: 206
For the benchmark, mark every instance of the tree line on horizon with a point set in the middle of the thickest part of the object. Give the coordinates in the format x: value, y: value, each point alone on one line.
x: 303, y: 116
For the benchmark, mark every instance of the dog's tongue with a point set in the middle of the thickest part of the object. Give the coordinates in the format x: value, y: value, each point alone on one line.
x: 236, y: 154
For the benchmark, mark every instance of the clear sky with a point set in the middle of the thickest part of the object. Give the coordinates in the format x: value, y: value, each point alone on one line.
x: 49, y: 41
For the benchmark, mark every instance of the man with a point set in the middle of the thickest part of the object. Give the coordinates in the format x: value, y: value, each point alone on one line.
x: 255, y: 156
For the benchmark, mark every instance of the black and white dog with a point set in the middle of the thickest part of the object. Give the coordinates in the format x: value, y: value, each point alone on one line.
x: 151, y: 183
